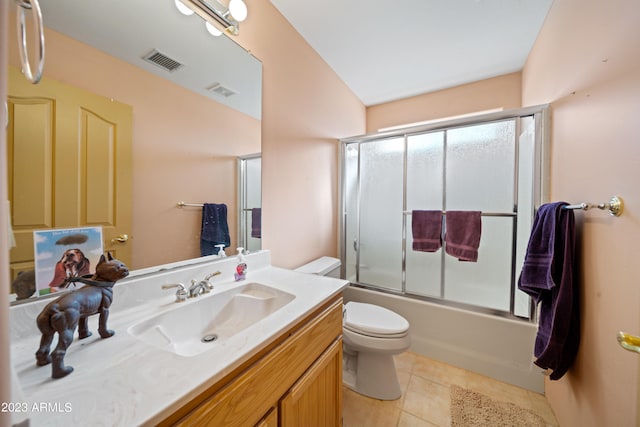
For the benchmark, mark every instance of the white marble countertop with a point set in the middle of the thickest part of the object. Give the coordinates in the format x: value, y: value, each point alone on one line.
x: 122, y: 381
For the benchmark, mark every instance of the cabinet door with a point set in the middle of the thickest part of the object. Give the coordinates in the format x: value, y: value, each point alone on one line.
x: 270, y: 420
x: 316, y: 398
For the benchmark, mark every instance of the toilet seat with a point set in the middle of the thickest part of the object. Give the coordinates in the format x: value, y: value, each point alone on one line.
x: 374, y: 321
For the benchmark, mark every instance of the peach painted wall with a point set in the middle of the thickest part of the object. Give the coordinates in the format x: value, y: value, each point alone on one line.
x: 498, y: 92
x: 185, y: 147
x: 586, y: 63
x: 306, y: 109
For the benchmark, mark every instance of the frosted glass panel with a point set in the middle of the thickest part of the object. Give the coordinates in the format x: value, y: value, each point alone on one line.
x: 350, y: 186
x: 480, y: 167
x: 253, y: 200
x: 425, y: 164
x: 381, y: 190
x: 485, y: 283
x: 526, y: 162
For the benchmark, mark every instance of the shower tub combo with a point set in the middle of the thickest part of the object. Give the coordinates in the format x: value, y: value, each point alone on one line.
x: 468, y: 314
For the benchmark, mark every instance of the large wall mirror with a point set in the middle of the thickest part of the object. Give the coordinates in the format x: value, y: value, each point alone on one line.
x: 191, y: 107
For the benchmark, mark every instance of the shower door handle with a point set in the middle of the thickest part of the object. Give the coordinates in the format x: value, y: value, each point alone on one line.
x: 629, y: 342
x: 355, y: 244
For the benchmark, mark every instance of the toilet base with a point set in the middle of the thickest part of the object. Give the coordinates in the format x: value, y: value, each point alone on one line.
x: 375, y: 376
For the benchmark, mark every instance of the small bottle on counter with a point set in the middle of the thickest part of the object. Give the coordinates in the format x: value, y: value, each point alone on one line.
x: 241, y: 268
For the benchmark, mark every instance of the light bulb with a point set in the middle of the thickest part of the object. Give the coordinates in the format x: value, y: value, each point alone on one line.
x: 238, y: 10
x: 183, y: 8
x: 212, y: 29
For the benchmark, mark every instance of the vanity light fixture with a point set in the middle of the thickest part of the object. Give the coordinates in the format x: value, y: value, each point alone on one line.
x: 216, y: 14
x: 212, y: 29
x: 238, y: 10
x: 183, y: 8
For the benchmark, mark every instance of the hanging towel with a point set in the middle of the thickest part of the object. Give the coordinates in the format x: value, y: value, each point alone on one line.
x: 462, y: 236
x: 426, y: 227
x: 548, y: 277
x: 215, y: 230
x: 256, y: 223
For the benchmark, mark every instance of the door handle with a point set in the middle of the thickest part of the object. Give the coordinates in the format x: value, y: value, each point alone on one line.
x: 629, y: 342
x: 121, y: 238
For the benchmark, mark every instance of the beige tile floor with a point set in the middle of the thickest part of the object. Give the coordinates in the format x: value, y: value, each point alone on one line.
x: 425, y: 396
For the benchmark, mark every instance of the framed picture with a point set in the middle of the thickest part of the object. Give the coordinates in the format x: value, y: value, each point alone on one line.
x: 65, y: 253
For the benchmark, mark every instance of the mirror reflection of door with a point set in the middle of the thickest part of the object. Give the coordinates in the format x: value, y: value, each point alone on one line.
x: 250, y: 202
x: 69, y: 164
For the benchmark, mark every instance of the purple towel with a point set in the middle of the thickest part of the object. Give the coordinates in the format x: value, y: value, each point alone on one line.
x: 548, y: 277
x: 536, y: 270
x: 256, y: 223
x: 462, y: 237
x: 426, y: 227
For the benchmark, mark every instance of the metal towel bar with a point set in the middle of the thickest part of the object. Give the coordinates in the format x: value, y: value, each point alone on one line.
x: 482, y: 214
x: 183, y: 204
x: 615, y: 206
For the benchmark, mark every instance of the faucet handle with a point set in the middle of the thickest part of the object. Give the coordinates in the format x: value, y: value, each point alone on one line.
x: 181, y: 293
x: 209, y: 276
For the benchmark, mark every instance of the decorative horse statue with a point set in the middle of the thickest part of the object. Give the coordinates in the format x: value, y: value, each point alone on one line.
x: 72, y: 309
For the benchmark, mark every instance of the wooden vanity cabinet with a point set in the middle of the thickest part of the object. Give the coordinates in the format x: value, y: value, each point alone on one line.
x: 316, y: 399
x: 270, y: 420
x: 295, y: 381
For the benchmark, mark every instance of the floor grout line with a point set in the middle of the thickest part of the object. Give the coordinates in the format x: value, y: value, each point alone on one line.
x: 425, y: 401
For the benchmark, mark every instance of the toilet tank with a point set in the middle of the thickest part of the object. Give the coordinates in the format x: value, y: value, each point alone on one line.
x: 324, y: 266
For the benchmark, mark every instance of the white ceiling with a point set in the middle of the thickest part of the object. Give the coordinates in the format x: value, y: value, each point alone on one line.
x: 128, y: 30
x: 388, y: 50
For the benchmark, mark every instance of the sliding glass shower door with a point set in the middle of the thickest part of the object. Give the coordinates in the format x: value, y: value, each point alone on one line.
x: 425, y: 191
x: 380, y: 219
x: 491, y: 166
x: 481, y: 175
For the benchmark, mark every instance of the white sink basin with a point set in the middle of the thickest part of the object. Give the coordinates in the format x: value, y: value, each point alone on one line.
x: 198, y: 325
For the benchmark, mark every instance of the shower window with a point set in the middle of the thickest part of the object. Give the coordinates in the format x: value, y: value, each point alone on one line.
x: 491, y: 164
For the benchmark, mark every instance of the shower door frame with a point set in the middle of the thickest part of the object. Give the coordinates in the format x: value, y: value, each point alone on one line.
x: 540, y: 184
x: 243, y: 214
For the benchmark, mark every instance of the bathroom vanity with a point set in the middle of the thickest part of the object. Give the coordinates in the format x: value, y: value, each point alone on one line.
x: 276, y: 358
x: 298, y: 376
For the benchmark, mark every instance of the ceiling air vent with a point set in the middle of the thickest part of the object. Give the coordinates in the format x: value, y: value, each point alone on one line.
x: 218, y: 89
x: 162, y: 60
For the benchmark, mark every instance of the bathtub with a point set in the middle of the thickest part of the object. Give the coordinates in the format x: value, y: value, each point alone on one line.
x: 497, y: 347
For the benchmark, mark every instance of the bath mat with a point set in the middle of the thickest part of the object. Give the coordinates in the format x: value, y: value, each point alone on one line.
x: 469, y: 408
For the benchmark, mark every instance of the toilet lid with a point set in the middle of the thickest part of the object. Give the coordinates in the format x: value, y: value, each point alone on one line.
x: 373, y: 320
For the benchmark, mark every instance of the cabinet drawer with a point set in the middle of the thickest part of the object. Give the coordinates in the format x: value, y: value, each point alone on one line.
x: 245, y: 399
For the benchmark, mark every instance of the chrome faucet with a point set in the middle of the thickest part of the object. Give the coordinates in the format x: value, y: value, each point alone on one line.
x: 181, y: 292
x: 198, y: 288
x: 203, y: 286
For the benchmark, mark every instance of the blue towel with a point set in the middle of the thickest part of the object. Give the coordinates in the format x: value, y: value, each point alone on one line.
x: 548, y: 277
x: 215, y: 229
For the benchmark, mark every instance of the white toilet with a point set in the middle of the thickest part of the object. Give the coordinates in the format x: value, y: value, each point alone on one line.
x: 371, y: 336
